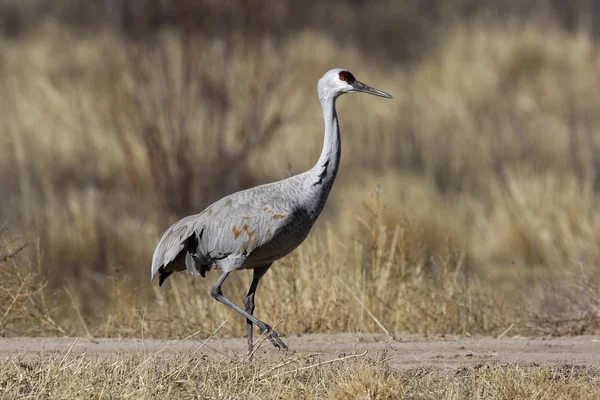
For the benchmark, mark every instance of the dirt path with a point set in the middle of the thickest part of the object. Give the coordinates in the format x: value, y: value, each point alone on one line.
x: 409, y: 351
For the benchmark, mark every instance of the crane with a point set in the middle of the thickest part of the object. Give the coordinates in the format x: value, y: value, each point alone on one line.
x: 252, y: 228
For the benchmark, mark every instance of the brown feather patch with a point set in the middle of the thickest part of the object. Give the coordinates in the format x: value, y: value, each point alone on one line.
x: 235, y: 231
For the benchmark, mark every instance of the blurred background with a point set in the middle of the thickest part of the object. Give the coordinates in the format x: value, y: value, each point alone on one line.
x: 468, y: 204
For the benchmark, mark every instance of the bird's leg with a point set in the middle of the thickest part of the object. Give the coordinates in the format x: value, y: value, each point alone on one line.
x: 249, y: 301
x: 217, y: 293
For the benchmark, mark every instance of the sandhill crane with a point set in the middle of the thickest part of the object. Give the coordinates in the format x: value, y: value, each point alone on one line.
x: 253, y: 228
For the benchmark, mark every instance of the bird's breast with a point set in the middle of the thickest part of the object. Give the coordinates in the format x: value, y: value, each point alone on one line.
x: 292, y: 232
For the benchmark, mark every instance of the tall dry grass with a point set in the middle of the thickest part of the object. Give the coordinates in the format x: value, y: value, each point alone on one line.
x: 68, y: 375
x: 466, y: 205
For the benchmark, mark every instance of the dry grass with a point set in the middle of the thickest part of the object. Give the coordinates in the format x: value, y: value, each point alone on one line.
x: 466, y: 205
x: 72, y: 376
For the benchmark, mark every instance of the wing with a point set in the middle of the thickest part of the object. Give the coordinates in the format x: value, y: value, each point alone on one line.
x: 232, y: 227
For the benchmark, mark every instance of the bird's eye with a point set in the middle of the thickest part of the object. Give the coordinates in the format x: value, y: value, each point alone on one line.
x: 346, y: 76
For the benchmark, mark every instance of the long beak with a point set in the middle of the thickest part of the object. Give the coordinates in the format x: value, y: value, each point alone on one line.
x: 361, y: 87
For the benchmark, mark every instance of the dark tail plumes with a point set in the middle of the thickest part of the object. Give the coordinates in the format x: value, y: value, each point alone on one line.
x: 163, y: 274
x: 178, y: 264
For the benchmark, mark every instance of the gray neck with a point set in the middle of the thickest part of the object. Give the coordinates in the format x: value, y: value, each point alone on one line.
x: 322, y: 175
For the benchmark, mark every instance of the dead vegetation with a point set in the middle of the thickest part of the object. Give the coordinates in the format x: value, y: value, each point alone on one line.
x: 66, y: 375
x: 467, y: 205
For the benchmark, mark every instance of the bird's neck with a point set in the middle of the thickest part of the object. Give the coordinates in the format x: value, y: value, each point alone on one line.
x: 322, y: 175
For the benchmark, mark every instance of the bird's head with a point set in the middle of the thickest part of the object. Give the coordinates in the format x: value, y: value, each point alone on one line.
x: 340, y: 81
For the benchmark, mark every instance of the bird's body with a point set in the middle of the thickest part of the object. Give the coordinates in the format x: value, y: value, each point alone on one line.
x: 247, y: 229
x: 253, y: 228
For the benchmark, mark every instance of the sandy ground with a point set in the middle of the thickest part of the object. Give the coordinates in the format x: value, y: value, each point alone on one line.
x: 406, y: 352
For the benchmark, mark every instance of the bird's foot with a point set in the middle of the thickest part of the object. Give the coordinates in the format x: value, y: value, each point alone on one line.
x: 273, y: 337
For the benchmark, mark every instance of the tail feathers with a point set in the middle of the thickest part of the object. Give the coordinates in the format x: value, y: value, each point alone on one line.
x: 163, y: 275
x: 170, y: 254
x: 178, y: 264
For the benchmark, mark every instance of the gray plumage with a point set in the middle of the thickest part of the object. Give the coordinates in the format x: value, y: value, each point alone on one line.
x: 253, y: 228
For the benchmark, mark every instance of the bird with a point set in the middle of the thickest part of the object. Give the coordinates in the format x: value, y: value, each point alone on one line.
x: 253, y: 228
